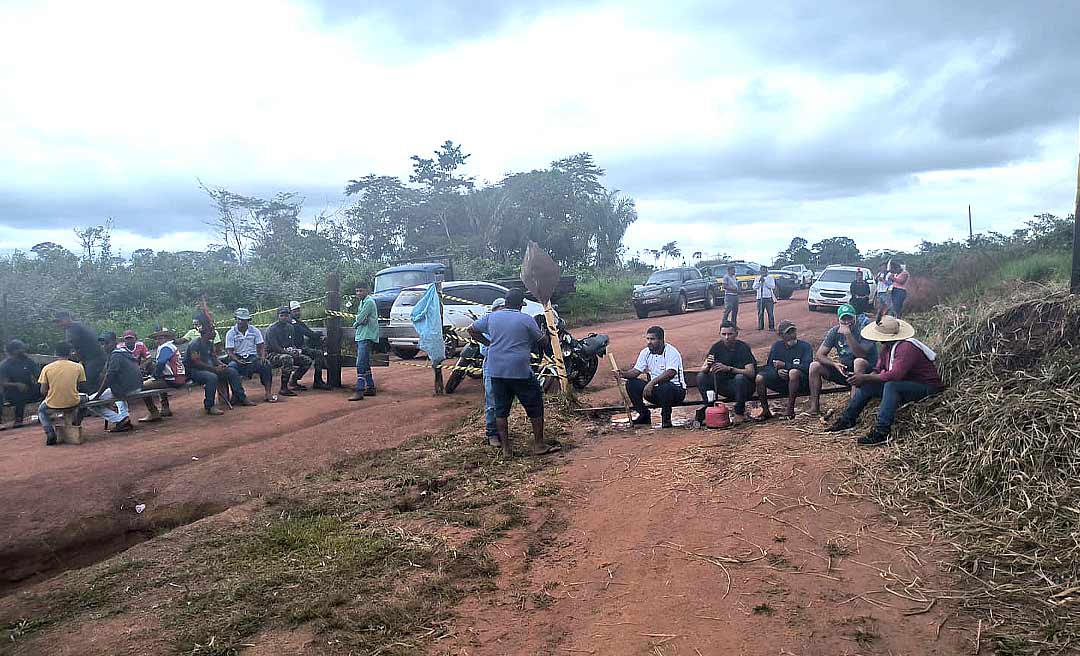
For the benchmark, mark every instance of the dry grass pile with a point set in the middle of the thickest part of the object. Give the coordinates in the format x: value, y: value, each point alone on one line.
x: 996, y: 458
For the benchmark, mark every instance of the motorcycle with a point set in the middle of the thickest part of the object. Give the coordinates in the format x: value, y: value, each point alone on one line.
x: 581, y: 357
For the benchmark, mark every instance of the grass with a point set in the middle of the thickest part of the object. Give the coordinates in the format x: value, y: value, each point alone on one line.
x: 1037, y: 267
x: 600, y: 299
x: 355, y: 554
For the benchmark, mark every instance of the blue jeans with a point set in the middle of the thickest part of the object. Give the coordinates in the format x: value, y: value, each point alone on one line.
x: 892, y: 394
x: 489, y: 408
x: 898, y: 298
x: 364, y: 381
x: 266, y: 375
x: 209, y: 381
x: 47, y: 425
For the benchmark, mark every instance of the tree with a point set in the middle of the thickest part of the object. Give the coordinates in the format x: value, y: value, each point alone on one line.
x: 795, y: 253
x: 670, y: 249
x: 835, y: 250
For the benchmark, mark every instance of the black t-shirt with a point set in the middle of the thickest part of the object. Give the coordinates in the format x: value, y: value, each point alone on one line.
x: 19, y: 370
x: 860, y: 288
x: 204, y: 349
x: 738, y: 356
x: 85, y: 343
x: 279, y: 337
x: 302, y: 332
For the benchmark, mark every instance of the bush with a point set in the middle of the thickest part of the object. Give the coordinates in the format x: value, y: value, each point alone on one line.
x: 1038, y: 267
x: 600, y: 296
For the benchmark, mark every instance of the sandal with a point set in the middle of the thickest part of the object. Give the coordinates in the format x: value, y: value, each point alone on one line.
x: 273, y: 398
x: 553, y: 447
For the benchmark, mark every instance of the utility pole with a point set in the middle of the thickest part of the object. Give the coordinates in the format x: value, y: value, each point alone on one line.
x: 1074, y: 283
x: 333, y: 330
x: 971, y: 231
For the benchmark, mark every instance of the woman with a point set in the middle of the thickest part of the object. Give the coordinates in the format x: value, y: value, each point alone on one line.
x: 898, y: 276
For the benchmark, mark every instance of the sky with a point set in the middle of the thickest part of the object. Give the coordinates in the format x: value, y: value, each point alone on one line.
x: 736, y: 126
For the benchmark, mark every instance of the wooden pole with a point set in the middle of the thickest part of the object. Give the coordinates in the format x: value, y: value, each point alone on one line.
x: 333, y: 330
x: 622, y: 389
x: 1074, y: 283
x: 556, y: 349
x: 971, y: 230
x: 437, y: 366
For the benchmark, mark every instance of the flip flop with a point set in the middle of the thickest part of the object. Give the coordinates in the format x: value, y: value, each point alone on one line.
x: 273, y: 398
x: 759, y: 419
x: 548, y: 448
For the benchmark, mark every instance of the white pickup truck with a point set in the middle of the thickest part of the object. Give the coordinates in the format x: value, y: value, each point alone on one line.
x: 804, y: 273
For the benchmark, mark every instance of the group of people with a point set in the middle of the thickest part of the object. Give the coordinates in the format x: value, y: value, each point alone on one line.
x: 876, y: 359
x: 100, y: 367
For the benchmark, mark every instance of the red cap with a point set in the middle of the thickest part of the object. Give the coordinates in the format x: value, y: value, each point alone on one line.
x: 129, y: 333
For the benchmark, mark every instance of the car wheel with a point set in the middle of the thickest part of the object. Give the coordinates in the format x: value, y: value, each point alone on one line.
x: 680, y: 305
x: 813, y: 308
x: 710, y: 299
x: 641, y: 314
x: 405, y: 353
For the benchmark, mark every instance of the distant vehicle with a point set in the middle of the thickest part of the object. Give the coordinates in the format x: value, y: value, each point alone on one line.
x: 390, y: 281
x: 674, y: 290
x: 833, y: 286
x: 804, y: 273
x: 476, y: 299
x: 747, y: 272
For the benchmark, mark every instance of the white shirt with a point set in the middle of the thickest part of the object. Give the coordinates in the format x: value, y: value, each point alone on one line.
x: 245, y: 343
x: 655, y: 364
x: 882, y: 283
x: 765, y: 287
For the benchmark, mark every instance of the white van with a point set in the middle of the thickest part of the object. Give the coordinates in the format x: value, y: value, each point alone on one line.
x: 833, y: 286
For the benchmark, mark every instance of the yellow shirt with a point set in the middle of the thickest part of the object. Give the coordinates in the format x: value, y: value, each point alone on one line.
x: 63, y: 378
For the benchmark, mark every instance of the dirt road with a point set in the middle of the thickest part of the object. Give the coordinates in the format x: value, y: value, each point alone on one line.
x: 69, y: 506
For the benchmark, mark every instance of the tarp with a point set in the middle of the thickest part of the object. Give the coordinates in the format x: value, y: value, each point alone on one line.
x: 427, y: 319
x: 540, y: 273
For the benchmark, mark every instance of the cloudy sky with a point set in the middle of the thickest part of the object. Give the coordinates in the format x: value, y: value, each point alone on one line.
x: 735, y: 125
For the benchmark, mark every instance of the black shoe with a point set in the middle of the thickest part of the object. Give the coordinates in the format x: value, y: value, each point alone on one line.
x: 874, y: 437
x: 699, y: 416
x: 642, y: 420
x: 840, y: 424
x: 322, y: 386
x: 285, y: 391
x: 50, y: 439
x: 666, y: 423
x: 299, y: 387
x: 369, y: 392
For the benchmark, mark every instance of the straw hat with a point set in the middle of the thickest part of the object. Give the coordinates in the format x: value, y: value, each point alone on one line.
x: 889, y: 329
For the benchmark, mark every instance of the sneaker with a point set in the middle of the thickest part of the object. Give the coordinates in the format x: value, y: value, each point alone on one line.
x: 840, y: 424
x: 122, y: 426
x: 246, y: 402
x: 50, y: 439
x: 284, y: 391
x: 874, y: 437
x: 299, y: 387
x: 642, y: 420
x: 359, y: 396
x: 369, y: 392
x: 214, y: 411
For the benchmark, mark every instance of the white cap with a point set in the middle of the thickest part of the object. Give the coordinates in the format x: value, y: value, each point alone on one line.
x: 499, y: 302
x: 294, y: 305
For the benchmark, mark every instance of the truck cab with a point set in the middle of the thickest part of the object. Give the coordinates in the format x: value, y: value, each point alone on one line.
x: 390, y: 281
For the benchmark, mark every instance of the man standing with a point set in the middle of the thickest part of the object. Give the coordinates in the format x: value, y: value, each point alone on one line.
x: 666, y: 386
x: 786, y: 371
x: 882, y: 291
x: 905, y: 372
x: 198, y: 322
x: 18, y: 381
x: 509, y: 355
x: 280, y: 340
x: 728, y: 371
x: 898, y: 276
x: 367, y: 336
x: 60, y: 382
x: 859, y: 290
x: 246, y: 351
x: 491, y: 429
x: 765, y: 293
x: 122, y: 379
x: 200, y: 359
x: 854, y: 351
x: 731, y: 297
x: 85, y: 343
x: 310, y: 344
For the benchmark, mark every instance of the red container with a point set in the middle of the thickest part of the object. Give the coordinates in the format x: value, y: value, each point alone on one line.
x: 717, y: 416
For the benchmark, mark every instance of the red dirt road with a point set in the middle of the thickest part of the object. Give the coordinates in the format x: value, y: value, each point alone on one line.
x: 69, y: 506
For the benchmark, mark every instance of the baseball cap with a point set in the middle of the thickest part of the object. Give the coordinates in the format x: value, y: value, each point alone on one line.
x: 107, y: 336
x: 293, y: 305
x: 785, y: 326
x: 846, y: 310
x: 242, y: 313
x: 284, y: 309
x: 499, y: 302
x: 129, y: 333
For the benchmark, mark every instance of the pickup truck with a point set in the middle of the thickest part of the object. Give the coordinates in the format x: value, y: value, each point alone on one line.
x: 674, y: 290
x: 747, y: 272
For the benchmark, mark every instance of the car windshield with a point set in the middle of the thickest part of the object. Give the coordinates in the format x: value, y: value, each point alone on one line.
x: 661, y: 277
x: 409, y: 298
x: 793, y: 267
x: 400, y: 279
x: 839, y: 275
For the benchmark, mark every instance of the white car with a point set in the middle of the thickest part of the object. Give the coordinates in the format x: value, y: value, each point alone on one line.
x: 833, y: 286
x: 475, y: 301
x: 803, y: 272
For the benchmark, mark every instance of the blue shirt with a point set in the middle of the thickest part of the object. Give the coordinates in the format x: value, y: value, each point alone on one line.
x: 834, y: 340
x: 513, y: 335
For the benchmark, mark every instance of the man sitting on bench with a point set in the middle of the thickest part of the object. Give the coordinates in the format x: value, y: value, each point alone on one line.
x: 728, y: 371
x: 18, y: 381
x: 247, y: 352
x: 123, y: 377
x: 169, y: 372
x: 201, y: 363
x: 666, y: 386
x: 786, y: 371
x: 856, y: 353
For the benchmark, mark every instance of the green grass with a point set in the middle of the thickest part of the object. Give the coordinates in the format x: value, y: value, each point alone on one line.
x: 1037, y: 267
x: 600, y: 299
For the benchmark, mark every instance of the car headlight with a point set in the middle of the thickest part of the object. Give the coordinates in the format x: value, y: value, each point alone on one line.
x: 667, y: 290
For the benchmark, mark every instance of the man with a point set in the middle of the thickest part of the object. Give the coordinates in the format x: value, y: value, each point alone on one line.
x: 18, y: 381
x: 246, y: 351
x: 905, y: 372
x: 310, y: 344
x: 860, y: 293
x: 666, y: 385
x: 85, y: 343
x: 169, y: 372
x: 491, y: 428
x: 280, y: 340
x: 198, y: 322
x: 367, y: 336
x: 122, y: 378
x: 204, y: 367
x: 728, y: 371
x: 60, y: 382
x: 136, y: 348
x: 509, y: 356
x: 731, y: 297
x: 765, y: 293
x: 882, y: 291
x: 854, y: 351
x: 786, y: 370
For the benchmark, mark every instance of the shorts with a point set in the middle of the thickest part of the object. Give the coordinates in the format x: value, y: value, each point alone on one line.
x: 833, y: 375
x: 884, y: 299
x: 526, y: 390
x: 779, y: 385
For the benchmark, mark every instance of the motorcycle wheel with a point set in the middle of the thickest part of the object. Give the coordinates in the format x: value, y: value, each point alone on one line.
x: 584, y: 370
x: 455, y: 379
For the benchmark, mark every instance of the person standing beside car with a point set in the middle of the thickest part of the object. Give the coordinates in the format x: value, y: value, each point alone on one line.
x: 765, y: 293
x: 731, y: 297
x: 367, y: 336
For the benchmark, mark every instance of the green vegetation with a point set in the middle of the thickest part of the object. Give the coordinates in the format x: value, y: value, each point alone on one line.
x: 602, y: 296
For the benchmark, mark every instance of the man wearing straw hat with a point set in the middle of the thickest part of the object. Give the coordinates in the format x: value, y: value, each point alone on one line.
x: 905, y: 372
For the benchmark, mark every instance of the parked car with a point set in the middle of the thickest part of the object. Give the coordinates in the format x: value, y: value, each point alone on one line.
x: 475, y: 301
x: 802, y: 272
x: 390, y: 281
x: 833, y: 286
x: 674, y: 290
x: 747, y: 272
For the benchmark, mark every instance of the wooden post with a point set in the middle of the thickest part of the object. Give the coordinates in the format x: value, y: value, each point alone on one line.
x: 1074, y: 283
x: 333, y: 330
x: 622, y: 389
x: 556, y: 348
x: 437, y: 366
x: 971, y: 230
